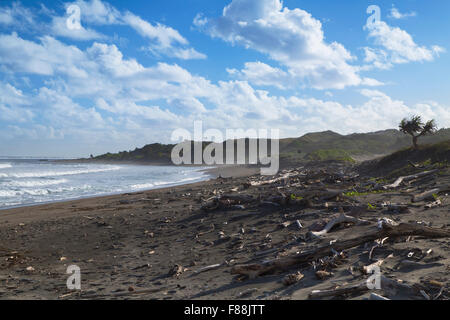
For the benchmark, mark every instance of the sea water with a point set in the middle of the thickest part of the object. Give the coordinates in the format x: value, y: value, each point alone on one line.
x: 32, y: 181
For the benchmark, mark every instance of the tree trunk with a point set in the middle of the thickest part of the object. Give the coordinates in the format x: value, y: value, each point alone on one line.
x: 416, y: 146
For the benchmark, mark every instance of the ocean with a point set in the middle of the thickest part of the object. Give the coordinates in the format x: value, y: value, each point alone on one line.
x: 31, y: 181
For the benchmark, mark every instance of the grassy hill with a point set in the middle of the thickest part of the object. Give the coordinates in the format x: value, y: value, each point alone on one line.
x: 401, y: 162
x: 319, y: 146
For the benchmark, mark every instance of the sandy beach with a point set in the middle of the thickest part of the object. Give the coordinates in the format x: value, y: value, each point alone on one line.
x: 188, y: 242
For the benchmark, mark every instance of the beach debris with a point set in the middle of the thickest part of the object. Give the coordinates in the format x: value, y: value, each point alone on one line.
x: 322, y: 274
x: 387, y: 230
x: 227, y: 201
x: 387, y: 285
x: 430, y: 194
x: 368, y: 269
x: 359, y: 288
x: 209, y: 268
x: 247, y: 293
x: 400, y: 180
x: 330, y: 225
x: 292, y: 278
x: 374, y: 296
x: 176, y: 271
x: 434, y: 204
x: 213, y: 228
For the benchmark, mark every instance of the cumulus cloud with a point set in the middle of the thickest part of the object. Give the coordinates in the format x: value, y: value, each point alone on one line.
x: 59, y: 28
x: 293, y: 38
x: 262, y: 74
x: 396, y: 46
x: 163, y: 40
x: 96, y: 94
x: 123, y: 93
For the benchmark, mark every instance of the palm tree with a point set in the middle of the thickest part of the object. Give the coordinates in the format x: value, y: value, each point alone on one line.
x: 416, y: 128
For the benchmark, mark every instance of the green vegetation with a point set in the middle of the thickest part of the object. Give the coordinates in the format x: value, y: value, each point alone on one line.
x: 435, y: 156
x: 150, y: 153
x: 330, y: 154
x: 321, y: 146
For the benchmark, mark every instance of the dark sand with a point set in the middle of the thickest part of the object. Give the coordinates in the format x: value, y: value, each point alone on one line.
x: 130, y: 242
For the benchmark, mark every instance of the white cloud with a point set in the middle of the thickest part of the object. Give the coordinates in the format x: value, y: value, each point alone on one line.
x: 164, y: 40
x: 16, y: 15
x: 111, y: 60
x: 396, y: 14
x: 200, y: 20
x: 262, y: 74
x: 45, y: 58
x: 98, y: 12
x: 396, y: 46
x: 293, y: 38
x: 59, y: 28
x: 132, y: 104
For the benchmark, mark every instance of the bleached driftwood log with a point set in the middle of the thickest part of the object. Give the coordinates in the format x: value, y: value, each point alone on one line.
x: 283, y: 178
x: 387, y: 285
x: 399, y: 181
x: 374, y: 296
x: 367, y: 269
x: 387, y: 230
x: 341, y: 219
x: 426, y: 195
x: 208, y: 268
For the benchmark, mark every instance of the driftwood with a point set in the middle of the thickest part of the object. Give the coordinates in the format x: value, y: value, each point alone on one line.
x: 374, y: 296
x: 283, y: 178
x: 379, y: 244
x: 399, y: 181
x: 426, y: 195
x: 359, y: 288
x: 208, y: 268
x: 226, y: 201
x: 387, y: 284
x: 434, y: 204
x: 387, y: 230
x: 341, y: 219
x: 367, y: 269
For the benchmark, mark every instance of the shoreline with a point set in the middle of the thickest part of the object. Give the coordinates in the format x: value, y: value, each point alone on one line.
x: 209, y: 172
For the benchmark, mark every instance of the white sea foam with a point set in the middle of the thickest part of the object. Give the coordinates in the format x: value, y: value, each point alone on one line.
x: 34, y: 183
x: 5, y: 165
x: 7, y: 193
x: 44, y: 174
x: 142, y: 186
x: 41, y: 192
x: 161, y: 183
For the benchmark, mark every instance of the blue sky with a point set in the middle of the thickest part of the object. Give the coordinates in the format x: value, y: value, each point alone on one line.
x: 131, y: 72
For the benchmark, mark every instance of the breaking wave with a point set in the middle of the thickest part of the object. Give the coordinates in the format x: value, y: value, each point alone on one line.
x: 45, y: 174
x: 5, y: 165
